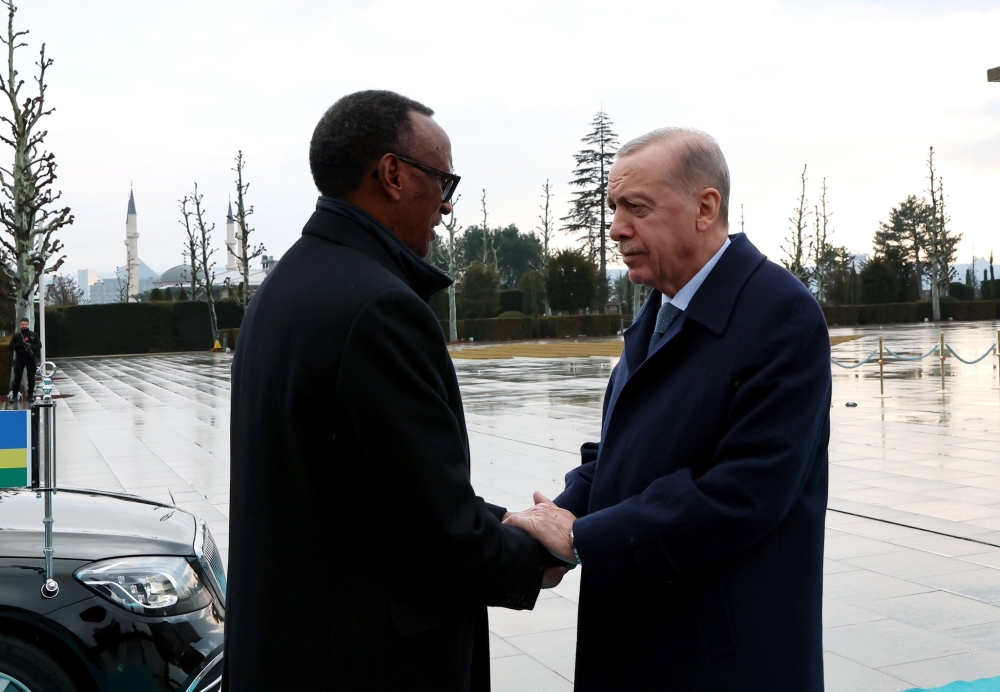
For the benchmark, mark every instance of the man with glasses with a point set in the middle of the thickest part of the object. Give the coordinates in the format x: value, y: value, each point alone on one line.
x: 350, y: 460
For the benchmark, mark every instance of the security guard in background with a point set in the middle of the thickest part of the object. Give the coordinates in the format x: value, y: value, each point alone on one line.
x: 27, y: 349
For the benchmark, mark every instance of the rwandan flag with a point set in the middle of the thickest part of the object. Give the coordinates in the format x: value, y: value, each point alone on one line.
x: 14, y: 443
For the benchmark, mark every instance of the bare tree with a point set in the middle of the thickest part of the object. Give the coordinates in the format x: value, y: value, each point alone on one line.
x: 796, y: 241
x: 743, y: 228
x: 820, y: 248
x: 247, y: 253
x: 935, y: 244
x: 949, y: 243
x: 204, y: 263
x: 62, y: 291
x: 547, y: 231
x: 190, y: 251
x: 453, y: 259
x: 547, y: 224
x: 26, y: 215
x: 125, y: 278
x: 489, y: 254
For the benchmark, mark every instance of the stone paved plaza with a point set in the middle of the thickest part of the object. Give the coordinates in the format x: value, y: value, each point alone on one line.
x: 912, y: 587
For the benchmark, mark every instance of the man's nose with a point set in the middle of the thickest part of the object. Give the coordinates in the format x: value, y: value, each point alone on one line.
x: 619, y: 229
x: 446, y: 208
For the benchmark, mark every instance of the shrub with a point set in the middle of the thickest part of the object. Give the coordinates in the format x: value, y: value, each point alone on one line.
x: 115, y: 328
x: 512, y: 301
x: 879, y: 283
x: 571, y: 281
x: 960, y: 291
x: 532, y: 284
x: 155, y: 295
x: 229, y: 314
x: 480, y: 292
x: 511, y: 315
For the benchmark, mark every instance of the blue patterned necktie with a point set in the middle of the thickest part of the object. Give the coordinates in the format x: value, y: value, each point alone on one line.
x: 664, y: 318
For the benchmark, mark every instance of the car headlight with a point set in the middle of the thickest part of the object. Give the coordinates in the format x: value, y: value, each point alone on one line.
x: 147, y: 585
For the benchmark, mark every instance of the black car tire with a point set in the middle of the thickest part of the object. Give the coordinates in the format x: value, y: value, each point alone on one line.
x: 30, y: 666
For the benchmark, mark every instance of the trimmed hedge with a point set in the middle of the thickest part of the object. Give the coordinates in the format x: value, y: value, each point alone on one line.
x: 229, y: 337
x: 890, y: 313
x: 229, y: 314
x: 512, y: 301
x: 98, y: 330
x: 555, y: 327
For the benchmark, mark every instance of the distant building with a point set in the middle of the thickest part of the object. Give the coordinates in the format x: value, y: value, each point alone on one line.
x: 141, y: 278
x: 107, y: 288
x: 85, y: 278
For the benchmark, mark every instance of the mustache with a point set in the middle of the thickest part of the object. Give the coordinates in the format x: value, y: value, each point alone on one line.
x: 627, y: 248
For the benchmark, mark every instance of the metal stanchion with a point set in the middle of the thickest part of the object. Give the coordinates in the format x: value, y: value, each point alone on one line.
x: 998, y: 360
x: 941, y: 351
x: 881, y: 371
x: 44, y: 411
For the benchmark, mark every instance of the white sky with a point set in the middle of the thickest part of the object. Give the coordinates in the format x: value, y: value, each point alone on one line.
x: 163, y: 94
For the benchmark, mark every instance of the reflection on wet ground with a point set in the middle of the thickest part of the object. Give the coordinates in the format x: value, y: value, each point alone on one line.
x: 912, y: 586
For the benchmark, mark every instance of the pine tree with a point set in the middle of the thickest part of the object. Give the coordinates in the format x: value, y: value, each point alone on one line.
x: 588, y: 214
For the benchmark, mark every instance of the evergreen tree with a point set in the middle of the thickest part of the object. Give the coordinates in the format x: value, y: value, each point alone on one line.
x: 588, y: 212
x: 570, y: 281
x: 878, y: 282
x: 480, y: 292
x: 900, y: 242
x: 155, y: 296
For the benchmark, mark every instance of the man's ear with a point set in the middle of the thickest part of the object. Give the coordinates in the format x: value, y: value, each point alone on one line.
x: 709, y: 203
x: 390, y: 177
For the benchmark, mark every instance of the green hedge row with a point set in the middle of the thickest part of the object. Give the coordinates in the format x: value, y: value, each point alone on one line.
x: 554, y: 327
x: 890, y: 313
x: 98, y: 330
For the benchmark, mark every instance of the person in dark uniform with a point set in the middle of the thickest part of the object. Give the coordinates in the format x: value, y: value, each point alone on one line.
x: 27, y: 349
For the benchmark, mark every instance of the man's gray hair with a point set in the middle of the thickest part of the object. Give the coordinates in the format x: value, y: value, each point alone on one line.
x: 699, y: 162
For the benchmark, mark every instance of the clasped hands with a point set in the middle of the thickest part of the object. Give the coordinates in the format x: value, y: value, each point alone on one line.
x: 549, y: 525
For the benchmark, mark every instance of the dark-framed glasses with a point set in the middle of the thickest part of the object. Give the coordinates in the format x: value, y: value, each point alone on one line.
x: 449, y: 181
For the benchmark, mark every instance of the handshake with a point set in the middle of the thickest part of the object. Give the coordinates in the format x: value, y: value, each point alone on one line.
x: 552, y: 527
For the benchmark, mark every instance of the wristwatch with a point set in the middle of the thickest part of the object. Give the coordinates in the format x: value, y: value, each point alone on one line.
x: 572, y: 544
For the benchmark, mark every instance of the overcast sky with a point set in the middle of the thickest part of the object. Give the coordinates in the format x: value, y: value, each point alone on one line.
x: 161, y: 95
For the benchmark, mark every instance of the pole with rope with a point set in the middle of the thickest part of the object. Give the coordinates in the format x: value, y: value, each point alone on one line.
x: 942, y: 354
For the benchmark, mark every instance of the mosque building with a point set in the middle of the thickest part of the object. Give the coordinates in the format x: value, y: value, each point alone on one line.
x: 101, y: 288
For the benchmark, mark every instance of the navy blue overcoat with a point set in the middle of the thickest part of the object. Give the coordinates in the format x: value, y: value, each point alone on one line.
x: 701, y: 512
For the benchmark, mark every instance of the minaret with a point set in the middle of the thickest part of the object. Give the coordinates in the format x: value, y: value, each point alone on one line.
x: 231, y: 263
x: 132, y: 243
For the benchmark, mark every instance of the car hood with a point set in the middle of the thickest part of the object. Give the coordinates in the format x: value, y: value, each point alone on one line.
x: 92, y: 525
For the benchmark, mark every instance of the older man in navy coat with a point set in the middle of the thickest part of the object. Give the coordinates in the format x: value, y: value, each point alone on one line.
x: 698, y: 519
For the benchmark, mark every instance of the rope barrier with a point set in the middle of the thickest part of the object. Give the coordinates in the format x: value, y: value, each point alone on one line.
x: 857, y: 365
x: 899, y: 357
x: 972, y: 362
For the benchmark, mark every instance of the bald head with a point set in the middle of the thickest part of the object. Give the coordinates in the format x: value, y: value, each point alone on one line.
x: 696, y: 161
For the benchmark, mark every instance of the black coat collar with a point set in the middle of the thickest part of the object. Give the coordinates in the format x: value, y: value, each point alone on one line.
x: 345, y: 224
x: 711, y: 306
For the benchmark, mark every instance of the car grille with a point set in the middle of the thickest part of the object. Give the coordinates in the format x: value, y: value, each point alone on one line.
x: 213, y: 561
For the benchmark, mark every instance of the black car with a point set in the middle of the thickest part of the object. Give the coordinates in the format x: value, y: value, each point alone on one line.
x: 141, y: 599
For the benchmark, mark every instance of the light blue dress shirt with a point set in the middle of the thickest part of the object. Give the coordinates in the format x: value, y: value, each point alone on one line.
x: 684, y: 296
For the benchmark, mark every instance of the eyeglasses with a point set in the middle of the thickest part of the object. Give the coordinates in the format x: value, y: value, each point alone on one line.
x: 449, y: 181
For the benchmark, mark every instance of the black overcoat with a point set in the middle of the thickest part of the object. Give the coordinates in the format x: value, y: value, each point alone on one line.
x: 702, y: 509
x: 360, y: 557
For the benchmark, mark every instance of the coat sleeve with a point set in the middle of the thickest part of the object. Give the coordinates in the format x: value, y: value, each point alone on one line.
x: 393, y: 389
x: 576, y: 497
x: 777, y: 430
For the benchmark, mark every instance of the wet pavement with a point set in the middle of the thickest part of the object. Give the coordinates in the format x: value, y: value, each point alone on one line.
x: 912, y: 591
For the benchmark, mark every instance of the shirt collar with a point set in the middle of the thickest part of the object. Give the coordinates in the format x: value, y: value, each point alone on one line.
x: 683, y: 297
